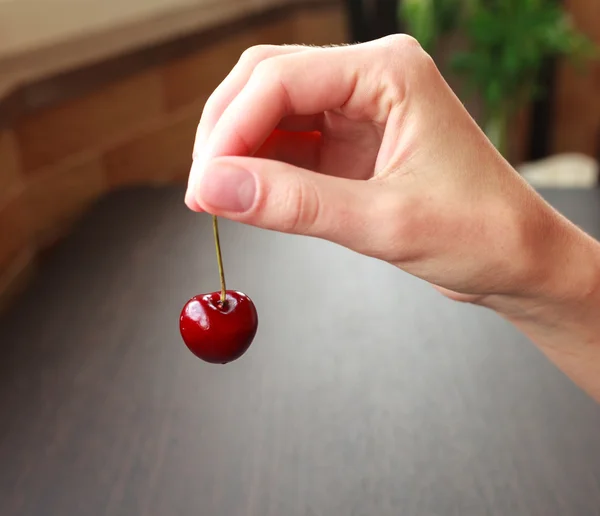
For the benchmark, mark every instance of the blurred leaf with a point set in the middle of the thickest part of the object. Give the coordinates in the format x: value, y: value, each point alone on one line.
x: 517, y: 36
x: 420, y: 19
x: 428, y: 20
x: 509, y: 41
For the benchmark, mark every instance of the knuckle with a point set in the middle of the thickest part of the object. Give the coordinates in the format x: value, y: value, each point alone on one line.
x: 268, y: 69
x: 254, y: 55
x: 303, y: 207
x: 407, y: 49
x: 402, y: 42
x: 425, y: 65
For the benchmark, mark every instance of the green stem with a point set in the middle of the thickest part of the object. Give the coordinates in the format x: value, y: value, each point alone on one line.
x: 219, y: 260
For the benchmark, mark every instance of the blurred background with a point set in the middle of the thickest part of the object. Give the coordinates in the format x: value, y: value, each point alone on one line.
x: 97, y: 96
x: 365, y: 393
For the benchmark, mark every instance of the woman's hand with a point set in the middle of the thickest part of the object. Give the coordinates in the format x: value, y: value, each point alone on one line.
x: 368, y: 147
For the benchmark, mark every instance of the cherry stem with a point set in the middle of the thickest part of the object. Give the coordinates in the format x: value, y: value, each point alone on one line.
x: 219, y: 260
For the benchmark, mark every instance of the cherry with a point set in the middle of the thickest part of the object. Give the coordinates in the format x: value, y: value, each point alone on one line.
x: 218, y: 327
x: 219, y: 332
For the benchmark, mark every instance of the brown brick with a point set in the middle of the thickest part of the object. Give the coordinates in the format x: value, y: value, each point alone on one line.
x: 321, y: 27
x: 14, y: 232
x: 59, y: 196
x: 195, y: 77
x: 280, y: 32
x: 49, y: 136
x: 9, y: 164
x: 157, y: 156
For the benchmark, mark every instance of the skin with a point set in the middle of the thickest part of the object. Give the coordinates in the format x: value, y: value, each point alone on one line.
x: 368, y: 147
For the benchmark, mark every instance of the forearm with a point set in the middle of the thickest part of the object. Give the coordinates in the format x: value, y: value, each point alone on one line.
x: 561, y: 311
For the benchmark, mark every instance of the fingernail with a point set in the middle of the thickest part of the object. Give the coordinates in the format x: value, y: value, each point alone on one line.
x: 191, y: 202
x: 227, y: 187
x: 190, y: 194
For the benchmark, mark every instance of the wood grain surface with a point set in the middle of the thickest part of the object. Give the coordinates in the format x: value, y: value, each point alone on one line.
x: 365, y: 392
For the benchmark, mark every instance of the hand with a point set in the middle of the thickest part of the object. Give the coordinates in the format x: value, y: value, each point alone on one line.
x: 366, y: 146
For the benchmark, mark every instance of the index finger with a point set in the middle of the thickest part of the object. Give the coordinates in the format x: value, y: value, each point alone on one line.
x: 352, y: 80
x: 304, y: 83
x: 233, y: 84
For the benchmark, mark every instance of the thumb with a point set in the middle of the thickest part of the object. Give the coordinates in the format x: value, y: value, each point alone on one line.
x: 280, y: 197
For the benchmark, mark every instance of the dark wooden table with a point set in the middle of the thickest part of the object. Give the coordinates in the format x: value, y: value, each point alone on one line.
x: 365, y: 393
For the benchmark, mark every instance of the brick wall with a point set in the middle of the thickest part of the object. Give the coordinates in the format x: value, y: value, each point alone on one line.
x: 138, y: 131
x: 577, y: 99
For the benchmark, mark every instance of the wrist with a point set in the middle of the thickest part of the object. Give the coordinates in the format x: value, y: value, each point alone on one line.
x: 557, y: 275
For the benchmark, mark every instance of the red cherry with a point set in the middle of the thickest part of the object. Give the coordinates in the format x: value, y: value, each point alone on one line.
x: 219, y: 332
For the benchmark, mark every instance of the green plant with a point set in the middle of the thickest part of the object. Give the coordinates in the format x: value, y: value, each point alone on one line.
x: 508, y: 43
x: 430, y: 19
